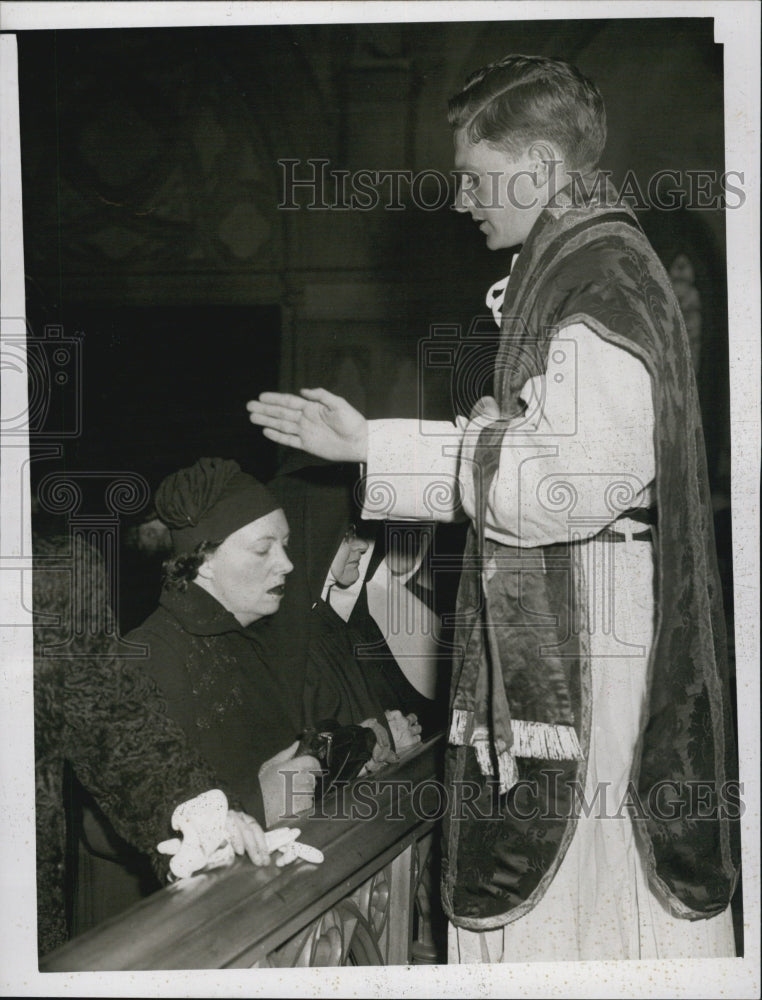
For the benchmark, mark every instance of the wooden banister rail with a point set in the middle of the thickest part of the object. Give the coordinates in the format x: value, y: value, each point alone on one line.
x: 243, y: 916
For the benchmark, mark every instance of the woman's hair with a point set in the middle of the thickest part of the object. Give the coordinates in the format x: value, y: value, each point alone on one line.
x: 181, y: 570
x: 519, y: 99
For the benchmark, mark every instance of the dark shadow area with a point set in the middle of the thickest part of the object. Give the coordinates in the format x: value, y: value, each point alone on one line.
x: 160, y: 386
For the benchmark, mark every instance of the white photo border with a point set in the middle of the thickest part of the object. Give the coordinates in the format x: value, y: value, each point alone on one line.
x: 737, y: 27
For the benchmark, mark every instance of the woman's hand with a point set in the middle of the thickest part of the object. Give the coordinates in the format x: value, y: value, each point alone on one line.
x: 288, y: 784
x: 247, y: 836
x: 383, y: 751
x: 315, y: 421
x: 406, y: 730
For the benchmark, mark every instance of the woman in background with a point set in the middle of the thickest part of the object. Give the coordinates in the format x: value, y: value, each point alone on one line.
x: 335, y: 553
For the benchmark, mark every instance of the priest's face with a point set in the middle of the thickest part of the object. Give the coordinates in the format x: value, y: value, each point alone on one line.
x: 247, y: 572
x: 498, y: 191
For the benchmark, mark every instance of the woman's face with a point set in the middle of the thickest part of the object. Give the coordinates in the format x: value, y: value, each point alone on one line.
x: 345, y: 567
x: 247, y: 573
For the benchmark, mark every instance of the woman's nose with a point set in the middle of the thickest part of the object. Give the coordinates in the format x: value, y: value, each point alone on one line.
x: 285, y: 563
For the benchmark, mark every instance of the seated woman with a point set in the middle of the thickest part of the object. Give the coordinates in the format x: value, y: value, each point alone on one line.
x: 103, y: 718
x: 207, y: 646
x: 395, y: 626
x: 335, y: 684
x: 332, y: 559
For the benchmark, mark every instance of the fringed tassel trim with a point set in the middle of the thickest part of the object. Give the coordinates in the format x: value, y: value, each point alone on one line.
x: 507, y: 769
x: 461, y: 727
x: 540, y: 740
x: 482, y: 748
x: 545, y: 741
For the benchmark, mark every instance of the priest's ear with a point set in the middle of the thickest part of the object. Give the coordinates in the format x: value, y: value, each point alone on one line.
x: 547, y: 159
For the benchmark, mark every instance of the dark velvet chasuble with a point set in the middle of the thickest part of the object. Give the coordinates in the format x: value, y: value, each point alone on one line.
x: 587, y: 260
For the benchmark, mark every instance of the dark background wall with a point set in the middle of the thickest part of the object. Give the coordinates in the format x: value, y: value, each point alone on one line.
x: 152, y: 227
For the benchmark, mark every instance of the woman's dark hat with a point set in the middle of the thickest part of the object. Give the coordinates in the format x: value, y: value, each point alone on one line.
x: 209, y: 501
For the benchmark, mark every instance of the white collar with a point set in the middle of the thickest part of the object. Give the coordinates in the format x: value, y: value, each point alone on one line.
x: 496, y: 296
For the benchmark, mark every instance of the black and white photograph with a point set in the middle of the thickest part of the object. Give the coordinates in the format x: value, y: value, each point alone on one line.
x: 380, y: 499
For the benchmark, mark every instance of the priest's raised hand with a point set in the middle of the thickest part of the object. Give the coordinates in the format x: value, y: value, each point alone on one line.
x: 315, y: 421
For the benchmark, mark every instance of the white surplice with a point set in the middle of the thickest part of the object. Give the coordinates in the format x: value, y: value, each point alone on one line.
x: 581, y: 454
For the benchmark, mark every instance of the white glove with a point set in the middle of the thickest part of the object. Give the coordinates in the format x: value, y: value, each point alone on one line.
x: 284, y: 840
x: 212, y: 835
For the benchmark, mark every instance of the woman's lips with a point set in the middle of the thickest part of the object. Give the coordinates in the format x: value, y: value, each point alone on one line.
x: 278, y: 591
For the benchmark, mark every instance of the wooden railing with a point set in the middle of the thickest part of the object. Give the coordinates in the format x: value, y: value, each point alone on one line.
x: 367, y: 904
